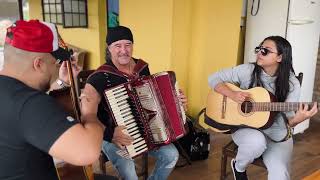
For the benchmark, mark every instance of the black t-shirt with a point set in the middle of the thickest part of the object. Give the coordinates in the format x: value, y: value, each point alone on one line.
x: 30, y: 122
x: 103, y: 80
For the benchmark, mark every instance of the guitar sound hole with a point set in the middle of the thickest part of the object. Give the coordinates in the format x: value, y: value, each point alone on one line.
x: 246, y: 107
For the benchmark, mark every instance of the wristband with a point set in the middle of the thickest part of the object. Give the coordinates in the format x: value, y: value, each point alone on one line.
x: 62, y: 84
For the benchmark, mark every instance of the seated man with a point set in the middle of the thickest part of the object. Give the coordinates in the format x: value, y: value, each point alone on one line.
x: 119, y: 56
x: 33, y: 127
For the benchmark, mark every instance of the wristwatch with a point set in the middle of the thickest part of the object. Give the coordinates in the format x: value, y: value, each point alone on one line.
x: 62, y: 84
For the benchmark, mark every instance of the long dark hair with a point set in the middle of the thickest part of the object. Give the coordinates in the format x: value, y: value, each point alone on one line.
x: 282, y: 85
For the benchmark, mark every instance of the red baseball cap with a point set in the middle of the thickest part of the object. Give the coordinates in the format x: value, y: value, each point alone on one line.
x: 37, y: 36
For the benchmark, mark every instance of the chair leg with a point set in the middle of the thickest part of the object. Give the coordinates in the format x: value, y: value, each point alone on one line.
x: 102, y: 164
x: 223, y: 167
x: 183, y: 152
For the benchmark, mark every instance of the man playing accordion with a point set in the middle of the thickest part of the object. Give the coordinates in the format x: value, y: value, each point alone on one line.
x: 119, y: 57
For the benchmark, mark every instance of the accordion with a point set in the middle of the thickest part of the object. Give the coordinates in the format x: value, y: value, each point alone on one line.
x: 150, y: 110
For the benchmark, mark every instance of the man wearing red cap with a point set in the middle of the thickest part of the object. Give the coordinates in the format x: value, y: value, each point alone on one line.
x: 119, y: 59
x: 33, y: 127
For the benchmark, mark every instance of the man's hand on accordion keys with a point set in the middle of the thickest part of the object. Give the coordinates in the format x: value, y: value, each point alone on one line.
x: 121, y: 137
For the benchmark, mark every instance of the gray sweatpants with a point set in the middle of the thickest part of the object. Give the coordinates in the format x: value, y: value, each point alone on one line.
x: 276, y: 156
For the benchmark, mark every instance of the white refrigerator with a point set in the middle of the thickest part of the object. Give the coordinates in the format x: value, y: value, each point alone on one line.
x: 296, y: 20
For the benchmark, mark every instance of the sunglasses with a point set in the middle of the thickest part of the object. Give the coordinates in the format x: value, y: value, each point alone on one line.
x: 264, y: 51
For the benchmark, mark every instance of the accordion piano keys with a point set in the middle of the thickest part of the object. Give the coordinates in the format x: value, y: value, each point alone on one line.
x: 138, y: 145
x: 122, y: 112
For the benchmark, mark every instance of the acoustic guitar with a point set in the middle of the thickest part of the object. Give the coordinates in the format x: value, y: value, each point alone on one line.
x: 223, y: 114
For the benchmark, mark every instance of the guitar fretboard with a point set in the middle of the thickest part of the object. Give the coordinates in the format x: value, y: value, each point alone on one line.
x: 276, y: 106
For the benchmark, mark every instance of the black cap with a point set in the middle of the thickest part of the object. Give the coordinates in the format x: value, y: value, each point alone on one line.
x: 118, y: 33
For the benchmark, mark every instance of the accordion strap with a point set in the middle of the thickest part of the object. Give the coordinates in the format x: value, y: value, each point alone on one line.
x: 140, y: 65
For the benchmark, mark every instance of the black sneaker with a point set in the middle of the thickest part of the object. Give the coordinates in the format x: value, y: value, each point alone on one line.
x: 238, y: 175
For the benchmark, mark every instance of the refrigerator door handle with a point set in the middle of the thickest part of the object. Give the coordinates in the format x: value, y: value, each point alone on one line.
x: 300, y: 22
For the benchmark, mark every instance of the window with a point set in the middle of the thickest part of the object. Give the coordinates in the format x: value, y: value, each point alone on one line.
x: 69, y: 13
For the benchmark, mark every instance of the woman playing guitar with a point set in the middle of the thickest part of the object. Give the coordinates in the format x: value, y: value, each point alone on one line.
x: 273, y: 71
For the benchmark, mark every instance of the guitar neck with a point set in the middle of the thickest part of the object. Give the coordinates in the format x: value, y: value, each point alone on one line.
x: 279, y: 106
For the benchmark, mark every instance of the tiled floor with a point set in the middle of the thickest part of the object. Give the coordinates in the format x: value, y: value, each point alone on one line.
x: 306, y: 159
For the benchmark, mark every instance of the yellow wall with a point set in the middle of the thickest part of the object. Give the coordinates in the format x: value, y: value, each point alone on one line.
x: 214, y: 44
x: 35, y: 11
x: 151, y: 25
x: 180, y: 41
x: 242, y: 35
x: 161, y: 33
x: 192, y: 37
x: 91, y: 39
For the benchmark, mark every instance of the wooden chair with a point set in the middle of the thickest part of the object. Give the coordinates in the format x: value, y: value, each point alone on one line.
x: 230, y: 150
x: 81, y: 81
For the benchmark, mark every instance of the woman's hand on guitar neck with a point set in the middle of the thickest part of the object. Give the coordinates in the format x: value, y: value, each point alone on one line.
x: 303, y: 113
